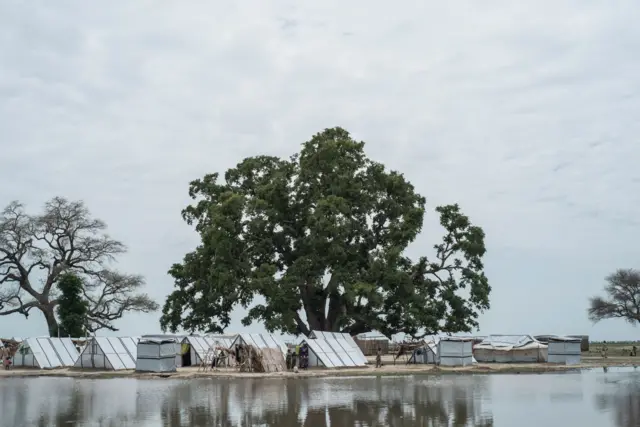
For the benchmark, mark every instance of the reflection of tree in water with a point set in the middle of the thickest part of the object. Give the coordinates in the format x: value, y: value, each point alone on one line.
x: 624, y: 403
x: 79, y: 411
x: 394, y: 402
x: 399, y: 403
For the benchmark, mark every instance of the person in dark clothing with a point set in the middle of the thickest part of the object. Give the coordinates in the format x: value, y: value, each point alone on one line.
x: 288, y: 359
x: 379, y: 358
x: 304, y: 356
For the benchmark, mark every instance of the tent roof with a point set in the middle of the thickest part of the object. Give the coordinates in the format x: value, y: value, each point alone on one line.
x: 121, y: 352
x: 51, y: 352
x: 261, y: 341
x: 341, y: 338
x: 507, y: 342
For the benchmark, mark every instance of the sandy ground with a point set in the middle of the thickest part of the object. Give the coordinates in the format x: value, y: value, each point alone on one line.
x: 388, y: 368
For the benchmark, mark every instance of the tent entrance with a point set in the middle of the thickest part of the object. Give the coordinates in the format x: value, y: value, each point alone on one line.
x: 186, y: 355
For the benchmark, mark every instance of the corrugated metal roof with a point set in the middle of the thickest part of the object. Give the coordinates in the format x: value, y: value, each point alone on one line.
x: 510, y: 341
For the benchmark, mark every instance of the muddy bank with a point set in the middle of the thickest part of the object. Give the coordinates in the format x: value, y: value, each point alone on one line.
x: 387, y: 369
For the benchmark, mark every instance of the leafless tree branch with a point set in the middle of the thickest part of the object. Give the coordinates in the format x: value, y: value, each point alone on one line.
x: 65, y: 237
x: 111, y: 294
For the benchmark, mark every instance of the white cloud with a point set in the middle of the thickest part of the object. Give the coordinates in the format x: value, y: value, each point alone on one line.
x: 525, y: 115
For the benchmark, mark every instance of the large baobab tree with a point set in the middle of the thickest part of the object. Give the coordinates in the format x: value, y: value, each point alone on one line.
x: 35, y: 250
x: 320, y: 236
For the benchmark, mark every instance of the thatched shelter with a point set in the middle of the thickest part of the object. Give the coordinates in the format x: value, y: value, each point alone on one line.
x: 249, y: 358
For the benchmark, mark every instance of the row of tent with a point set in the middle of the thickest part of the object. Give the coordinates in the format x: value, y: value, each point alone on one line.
x: 461, y: 351
x: 167, y: 352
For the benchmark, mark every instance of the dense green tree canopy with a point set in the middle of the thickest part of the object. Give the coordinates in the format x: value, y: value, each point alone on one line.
x: 72, y: 308
x: 321, y: 238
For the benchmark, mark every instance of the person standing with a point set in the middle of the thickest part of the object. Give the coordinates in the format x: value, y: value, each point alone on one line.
x: 379, y: 358
x: 6, y: 358
x: 605, y: 350
x: 288, y: 359
x: 294, y: 358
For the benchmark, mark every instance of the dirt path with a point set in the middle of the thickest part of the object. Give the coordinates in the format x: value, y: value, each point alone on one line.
x: 401, y: 368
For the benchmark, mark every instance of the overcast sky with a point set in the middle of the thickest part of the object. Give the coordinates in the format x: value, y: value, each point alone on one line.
x: 525, y: 115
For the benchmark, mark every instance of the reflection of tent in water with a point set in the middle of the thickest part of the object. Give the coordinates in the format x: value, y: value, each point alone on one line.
x: 266, y: 353
x: 45, y: 353
x: 510, y: 349
x: 110, y: 353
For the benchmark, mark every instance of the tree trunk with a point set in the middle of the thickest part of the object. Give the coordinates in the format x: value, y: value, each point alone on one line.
x: 52, y: 322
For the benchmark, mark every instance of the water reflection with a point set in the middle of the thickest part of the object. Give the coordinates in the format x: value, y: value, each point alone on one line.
x: 402, y: 401
x: 319, y: 403
x: 503, y: 400
x: 620, y: 395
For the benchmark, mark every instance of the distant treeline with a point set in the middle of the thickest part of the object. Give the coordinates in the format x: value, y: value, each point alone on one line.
x: 615, y: 342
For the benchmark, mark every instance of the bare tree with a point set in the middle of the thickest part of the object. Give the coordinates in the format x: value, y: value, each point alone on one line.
x: 622, y: 299
x: 35, y: 250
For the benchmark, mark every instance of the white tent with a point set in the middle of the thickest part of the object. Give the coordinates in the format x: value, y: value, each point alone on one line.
x: 195, y: 349
x: 110, y: 353
x: 157, y: 355
x: 45, y: 353
x: 427, y: 354
x: 260, y: 341
x: 329, y: 353
x: 225, y: 341
x: 272, y: 349
x: 342, y: 339
x: 510, y: 349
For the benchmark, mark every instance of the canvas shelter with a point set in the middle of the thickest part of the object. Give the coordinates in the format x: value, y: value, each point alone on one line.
x: 564, y: 350
x: 342, y: 338
x: 109, y: 353
x: 455, y: 351
x: 157, y: 354
x: 271, y: 350
x: 331, y: 353
x: 510, y: 349
x: 45, y: 353
x: 426, y: 354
